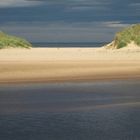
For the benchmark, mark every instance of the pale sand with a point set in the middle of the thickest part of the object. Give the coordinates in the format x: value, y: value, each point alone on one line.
x: 68, y: 64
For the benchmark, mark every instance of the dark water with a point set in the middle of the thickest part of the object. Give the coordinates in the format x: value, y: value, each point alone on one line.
x: 82, y: 111
x: 66, y: 45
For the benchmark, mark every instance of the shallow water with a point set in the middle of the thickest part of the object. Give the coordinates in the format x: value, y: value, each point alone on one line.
x: 70, y: 111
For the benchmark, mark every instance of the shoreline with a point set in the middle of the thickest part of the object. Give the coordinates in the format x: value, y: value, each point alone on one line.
x: 62, y: 81
x: 53, y: 65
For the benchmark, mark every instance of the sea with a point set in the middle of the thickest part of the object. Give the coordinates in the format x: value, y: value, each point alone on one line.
x: 102, y: 110
x: 68, y: 44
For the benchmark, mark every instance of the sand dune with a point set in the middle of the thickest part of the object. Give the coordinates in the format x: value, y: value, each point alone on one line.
x: 68, y: 64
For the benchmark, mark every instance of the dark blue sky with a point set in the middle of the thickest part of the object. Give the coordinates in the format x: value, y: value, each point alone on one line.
x: 67, y: 20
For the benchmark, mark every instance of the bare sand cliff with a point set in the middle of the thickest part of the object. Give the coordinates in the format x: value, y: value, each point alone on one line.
x: 68, y: 64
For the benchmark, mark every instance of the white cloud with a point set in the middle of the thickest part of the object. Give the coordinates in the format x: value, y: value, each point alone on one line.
x: 18, y: 3
x: 79, y: 8
x: 115, y: 24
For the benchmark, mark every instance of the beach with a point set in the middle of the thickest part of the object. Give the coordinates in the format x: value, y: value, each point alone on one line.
x: 52, y: 65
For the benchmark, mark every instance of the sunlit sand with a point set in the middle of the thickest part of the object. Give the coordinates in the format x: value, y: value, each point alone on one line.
x: 68, y: 64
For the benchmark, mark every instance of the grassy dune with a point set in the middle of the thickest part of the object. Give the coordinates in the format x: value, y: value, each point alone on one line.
x: 125, y: 37
x: 129, y: 34
x: 8, y: 41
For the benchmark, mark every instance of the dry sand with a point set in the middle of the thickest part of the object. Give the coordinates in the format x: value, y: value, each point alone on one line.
x: 68, y: 64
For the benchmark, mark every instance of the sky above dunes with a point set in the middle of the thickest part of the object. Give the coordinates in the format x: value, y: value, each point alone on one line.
x: 67, y: 20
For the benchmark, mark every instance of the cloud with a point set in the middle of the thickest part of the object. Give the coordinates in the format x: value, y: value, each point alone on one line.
x: 81, y: 4
x: 89, y: 2
x: 115, y: 24
x: 79, y: 8
x: 135, y: 4
x: 136, y: 7
x: 19, y: 3
x: 67, y: 20
x: 64, y: 32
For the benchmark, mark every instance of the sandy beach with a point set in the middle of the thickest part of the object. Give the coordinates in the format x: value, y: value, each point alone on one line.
x: 68, y: 64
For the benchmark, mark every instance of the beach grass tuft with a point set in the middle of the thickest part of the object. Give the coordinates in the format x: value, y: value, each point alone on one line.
x: 8, y: 41
x: 126, y: 36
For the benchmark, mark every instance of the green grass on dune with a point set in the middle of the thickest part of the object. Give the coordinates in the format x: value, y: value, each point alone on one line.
x: 128, y: 35
x: 8, y: 41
